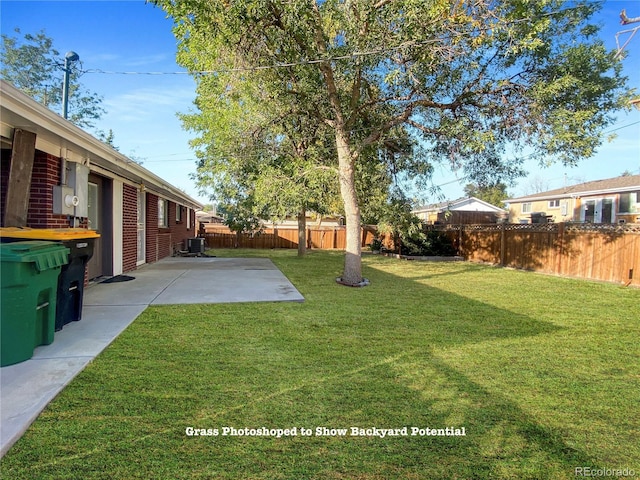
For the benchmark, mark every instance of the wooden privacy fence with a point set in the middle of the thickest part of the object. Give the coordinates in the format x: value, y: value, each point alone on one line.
x: 328, y: 238
x: 605, y: 252
x: 592, y: 251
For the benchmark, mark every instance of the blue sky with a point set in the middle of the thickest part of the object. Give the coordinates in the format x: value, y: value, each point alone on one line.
x: 131, y: 36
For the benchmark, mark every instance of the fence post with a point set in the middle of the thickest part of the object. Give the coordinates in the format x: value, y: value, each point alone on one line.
x: 502, y: 244
x: 560, y: 248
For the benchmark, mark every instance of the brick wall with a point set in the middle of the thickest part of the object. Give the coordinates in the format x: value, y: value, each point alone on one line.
x: 46, y: 174
x: 129, y: 228
x: 179, y: 231
x: 164, y: 245
x: 5, y: 163
x: 151, y: 227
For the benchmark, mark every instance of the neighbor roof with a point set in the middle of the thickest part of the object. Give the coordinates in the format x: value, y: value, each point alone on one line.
x: 455, y: 204
x: 627, y: 183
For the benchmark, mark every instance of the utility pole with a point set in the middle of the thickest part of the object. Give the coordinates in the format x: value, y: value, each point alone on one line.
x: 68, y: 58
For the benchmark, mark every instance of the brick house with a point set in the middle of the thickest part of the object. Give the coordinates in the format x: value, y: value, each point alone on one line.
x: 611, y: 200
x: 55, y: 175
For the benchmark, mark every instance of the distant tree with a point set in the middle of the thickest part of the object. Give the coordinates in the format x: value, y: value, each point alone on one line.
x: 33, y: 66
x: 398, y: 221
x: 495, y: 194
x: 108, y: 138
x: 239, y: 217
x: 536, y: 184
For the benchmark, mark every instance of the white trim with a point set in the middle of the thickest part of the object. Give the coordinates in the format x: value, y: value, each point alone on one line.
x: 141, y: 229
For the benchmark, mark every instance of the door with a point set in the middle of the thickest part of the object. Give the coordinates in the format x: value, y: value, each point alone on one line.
x: 94, y: 196
x: 141, y: 230
x: 589, y: 211
x: 600, y: 210
x: 607, y: 210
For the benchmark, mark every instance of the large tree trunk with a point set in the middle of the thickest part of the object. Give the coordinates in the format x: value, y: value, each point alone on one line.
x: 302, y: 233
x: 352, y: 273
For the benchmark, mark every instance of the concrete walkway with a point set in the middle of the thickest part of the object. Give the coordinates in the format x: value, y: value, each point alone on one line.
x: 26, y: 388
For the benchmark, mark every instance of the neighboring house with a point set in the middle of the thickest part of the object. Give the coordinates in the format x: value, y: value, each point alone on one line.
x: 208, y: 217
x: 47, y: 161
x: 466, y: 210
x: 614, y: 200
x: 208, y: 221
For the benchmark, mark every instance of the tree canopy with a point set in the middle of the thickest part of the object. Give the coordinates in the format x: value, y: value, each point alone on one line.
x: 470, y: 83
x: 495, y: 194
x: 34, y: 66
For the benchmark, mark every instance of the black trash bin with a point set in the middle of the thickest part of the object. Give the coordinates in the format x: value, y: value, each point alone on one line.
x: 71, y: 283
x: 80, y: 243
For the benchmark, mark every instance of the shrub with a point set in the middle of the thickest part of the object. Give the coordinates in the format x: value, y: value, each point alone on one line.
x: 430, y: 244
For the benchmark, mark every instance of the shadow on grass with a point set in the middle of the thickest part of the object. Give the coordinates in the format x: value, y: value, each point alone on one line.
x: 344, y: 358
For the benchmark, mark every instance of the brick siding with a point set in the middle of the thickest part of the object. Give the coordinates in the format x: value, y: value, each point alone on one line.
x: 179, y: 231
x: 129, y: 228
x: 46, y: 174
x: 5, y: 164
x: 151, y: 228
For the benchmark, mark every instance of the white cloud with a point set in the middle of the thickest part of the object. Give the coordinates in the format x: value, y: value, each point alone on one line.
x: 149, y: 60
x: 144, y: 104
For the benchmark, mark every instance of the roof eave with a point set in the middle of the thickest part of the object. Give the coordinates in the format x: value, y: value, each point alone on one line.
x: 577, y: 194
x: 24, y: 112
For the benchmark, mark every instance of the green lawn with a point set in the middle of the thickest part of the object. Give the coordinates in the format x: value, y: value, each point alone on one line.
x: 543, y: 374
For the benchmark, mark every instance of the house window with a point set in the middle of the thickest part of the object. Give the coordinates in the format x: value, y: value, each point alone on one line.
x: 162, y: 213
x: 554, y: 203
x: 628, y: 202
x: 178, y: 213
x: 565, y: 208
x: 526, y: 208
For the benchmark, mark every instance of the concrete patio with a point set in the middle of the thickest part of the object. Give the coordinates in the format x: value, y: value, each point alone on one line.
x: 27, y: 387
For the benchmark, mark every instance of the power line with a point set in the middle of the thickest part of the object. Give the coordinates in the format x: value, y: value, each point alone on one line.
x: 353, y: 55
x: 276, y: 65
x: 624, y: 126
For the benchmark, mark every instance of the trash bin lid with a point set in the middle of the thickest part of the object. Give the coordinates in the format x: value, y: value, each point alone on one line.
x: 45, y: 255
x: 59, y: 234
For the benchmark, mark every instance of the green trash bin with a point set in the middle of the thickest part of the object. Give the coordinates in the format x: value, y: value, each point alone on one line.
x: 28, y: 288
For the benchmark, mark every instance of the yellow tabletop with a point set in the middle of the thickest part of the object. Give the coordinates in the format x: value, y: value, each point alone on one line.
x: 59, y: 234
